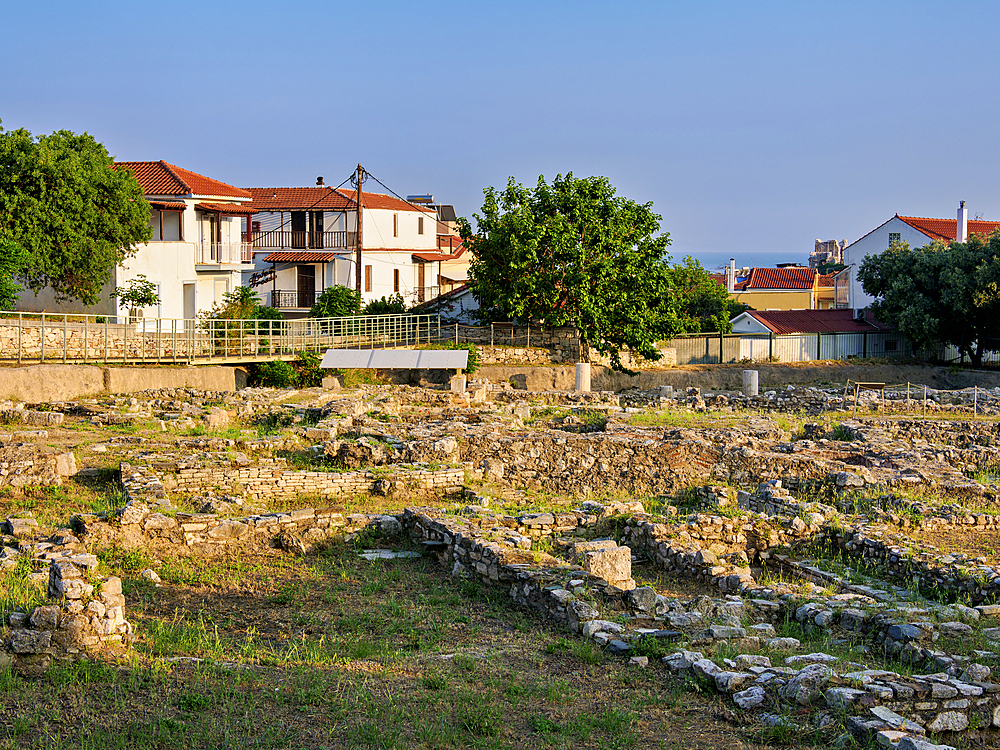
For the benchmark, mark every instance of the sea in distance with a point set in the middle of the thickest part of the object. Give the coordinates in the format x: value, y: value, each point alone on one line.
x: 715, y: 261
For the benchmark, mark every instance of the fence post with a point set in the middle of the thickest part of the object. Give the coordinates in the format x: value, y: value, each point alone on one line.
x: 456, y: 333
x: 819, y: 345
x: 20, y: 328
x: 105, y: 338
x: 529, y: 333
x: 925, y: 400
x: 770, y: 346
x: 864, y: 345
x: 491, y: 334
x: 975, y: 400
x: 42, y: 353
x: 85, y: 335
x: 720, y: 347
x: 65, y: 338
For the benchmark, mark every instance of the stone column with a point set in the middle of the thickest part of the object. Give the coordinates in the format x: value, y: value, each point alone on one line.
x: 750, y: 382
x: 583, y: 376
x: 458, y: 384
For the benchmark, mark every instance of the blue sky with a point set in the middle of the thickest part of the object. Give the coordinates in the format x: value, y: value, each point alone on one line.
x: 753, y: 127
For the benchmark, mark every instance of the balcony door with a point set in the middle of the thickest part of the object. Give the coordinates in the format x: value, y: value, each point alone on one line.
x: 316, y: 238
x: 305, y: 285
x: 209, y: 231
x: 299, y: 229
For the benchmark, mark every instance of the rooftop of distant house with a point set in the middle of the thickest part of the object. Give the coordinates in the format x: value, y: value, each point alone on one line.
x: 324, y: 198
x: 815, y: 321
x: 162, y: 178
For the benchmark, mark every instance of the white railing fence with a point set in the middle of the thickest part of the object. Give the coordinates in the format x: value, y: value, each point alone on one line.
x: 45, y: 337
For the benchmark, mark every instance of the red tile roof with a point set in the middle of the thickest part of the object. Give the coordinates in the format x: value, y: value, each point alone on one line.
x: 304, y: 257
x: 160, y: 178
x: 299, y: 199
x: 431, y: 257
x: 826, y: 279
x: 718, y: 278
x: 947, y: 229
x: 781, y: 278
x: 226, y: 208
x: 324, y: 199
x: 813, y: 321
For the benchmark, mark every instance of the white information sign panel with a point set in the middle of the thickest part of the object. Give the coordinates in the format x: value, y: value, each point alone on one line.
x: 396, y: 359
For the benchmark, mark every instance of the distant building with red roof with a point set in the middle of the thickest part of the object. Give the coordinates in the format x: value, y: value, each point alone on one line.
x: 916, y: 231
x: 782, y: 288
x: 799, y: 335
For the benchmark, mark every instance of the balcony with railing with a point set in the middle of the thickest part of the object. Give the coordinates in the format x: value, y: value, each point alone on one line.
x: 285, y: 299
x: 222, y: 253
x: 289, y: 240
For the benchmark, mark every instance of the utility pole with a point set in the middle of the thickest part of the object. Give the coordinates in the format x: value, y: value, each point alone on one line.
x: 357, y: 236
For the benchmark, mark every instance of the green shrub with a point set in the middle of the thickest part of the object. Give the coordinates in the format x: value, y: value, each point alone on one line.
x: 336, y: 302
x: 473, y: 363
x: 307, y: 371
x: 275, y: 374
x: 393, y: 305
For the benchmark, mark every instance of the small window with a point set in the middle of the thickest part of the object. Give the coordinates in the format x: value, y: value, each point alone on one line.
x: 893, y: 237
x: 395, y: 225
x: 395, y: 279
x: 368, y: 278
x: 420, y: 225
x: 890, y: 345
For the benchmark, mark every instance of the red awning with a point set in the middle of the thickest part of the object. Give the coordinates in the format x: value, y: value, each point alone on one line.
x: 304, y: 257
x: 234, y: 209
x: 168, y: 205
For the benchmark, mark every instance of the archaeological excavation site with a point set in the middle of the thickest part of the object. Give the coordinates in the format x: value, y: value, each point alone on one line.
x: 400, y: 566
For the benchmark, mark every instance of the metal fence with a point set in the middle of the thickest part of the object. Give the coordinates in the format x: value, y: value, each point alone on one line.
x: 717, y: 348
x: 42, y: 337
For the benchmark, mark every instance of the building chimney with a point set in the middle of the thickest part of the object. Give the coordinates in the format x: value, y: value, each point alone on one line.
x: 319, y: 182
x: 731, y: 275
x: 962, y: 230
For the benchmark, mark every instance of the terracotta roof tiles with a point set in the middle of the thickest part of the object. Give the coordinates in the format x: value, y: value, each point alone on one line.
x: 161, y: 178
x: 813, y: 321
x: 781, y: 278
x: 322, y: 198
x: 947, y: 229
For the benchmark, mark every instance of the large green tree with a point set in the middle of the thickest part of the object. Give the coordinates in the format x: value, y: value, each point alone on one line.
x: 75, y: 216
x: 573, y: 252
x: 939, y: 294
x: 13, y: 261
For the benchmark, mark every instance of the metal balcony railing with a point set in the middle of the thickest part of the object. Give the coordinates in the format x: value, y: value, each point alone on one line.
x: 207, y: 253
x: 284, y: 298
x: 285, y: 239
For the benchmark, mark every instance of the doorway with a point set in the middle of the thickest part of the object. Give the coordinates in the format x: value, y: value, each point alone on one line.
x: 305, y: 278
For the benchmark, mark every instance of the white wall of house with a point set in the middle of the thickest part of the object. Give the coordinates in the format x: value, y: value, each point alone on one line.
x: 383, y: 228
x: 170, y: 264
x: 873, y: 243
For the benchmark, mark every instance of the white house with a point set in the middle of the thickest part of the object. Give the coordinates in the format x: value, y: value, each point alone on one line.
x: 195, y: 254
x: 917, y: 231
x: 305, y: 239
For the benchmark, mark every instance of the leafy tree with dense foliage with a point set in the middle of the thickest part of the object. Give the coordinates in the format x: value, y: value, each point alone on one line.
x: 336, y: 302
x: 13, y: 260
x: 574, y: 253
x: 939, y: 294
x: 73, y: 214
x: 699, y: 304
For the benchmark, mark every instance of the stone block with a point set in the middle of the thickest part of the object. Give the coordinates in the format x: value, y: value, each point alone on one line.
x: 613, y: 565
x: 30, y: 641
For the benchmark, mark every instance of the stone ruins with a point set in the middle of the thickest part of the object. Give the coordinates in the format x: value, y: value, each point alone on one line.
x: 560, y: 499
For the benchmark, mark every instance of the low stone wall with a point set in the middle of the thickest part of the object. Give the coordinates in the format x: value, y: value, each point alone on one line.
x: 27, y: 465
x: 88, y: 619
x: 263, y: 480
x: 136, y: 525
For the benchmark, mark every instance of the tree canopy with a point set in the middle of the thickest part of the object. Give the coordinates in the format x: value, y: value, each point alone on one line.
x: 75, y: 216
x: 574, y: 253
x: 939, y: 294
x: 13, y: 260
